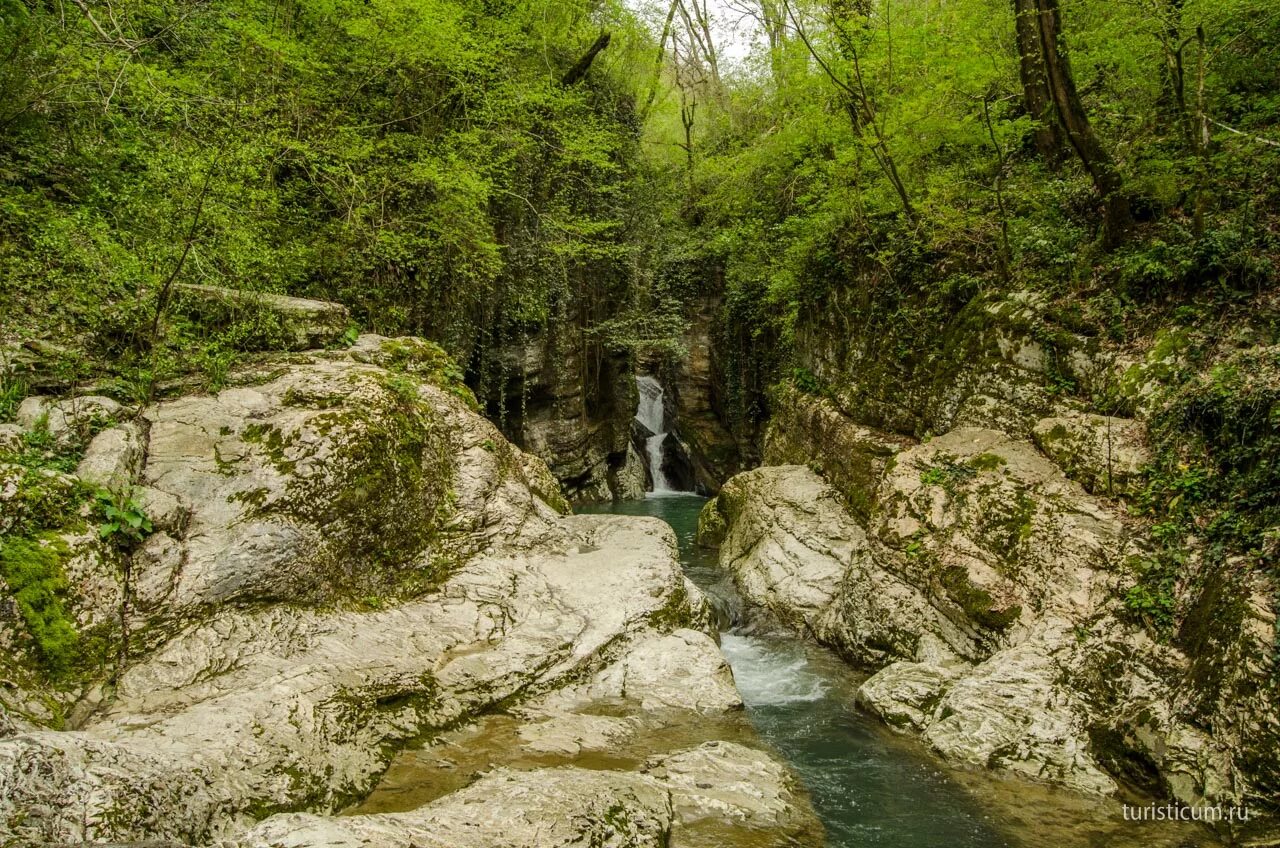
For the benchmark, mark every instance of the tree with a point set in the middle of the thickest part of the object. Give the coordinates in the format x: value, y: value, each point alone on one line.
x: 1040, y: 36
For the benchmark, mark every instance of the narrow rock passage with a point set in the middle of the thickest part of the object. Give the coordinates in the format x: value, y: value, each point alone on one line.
x: 870, y: 786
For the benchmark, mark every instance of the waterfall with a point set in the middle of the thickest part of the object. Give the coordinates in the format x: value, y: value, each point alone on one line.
x: 652, y: 415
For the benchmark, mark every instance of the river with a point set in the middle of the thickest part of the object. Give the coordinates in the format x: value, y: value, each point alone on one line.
x: 870, y: 786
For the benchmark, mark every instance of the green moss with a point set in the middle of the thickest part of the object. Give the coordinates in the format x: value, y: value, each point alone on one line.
x: 987, y: 462
x: 33, y: 570
x: 977, y: 603
x: 275, y: 441
x: 947, y: 473
x: 711, y: 525
x: 42, y: 500
x: 387, y: 492
x: 427, y: 361
x: 675, y: 613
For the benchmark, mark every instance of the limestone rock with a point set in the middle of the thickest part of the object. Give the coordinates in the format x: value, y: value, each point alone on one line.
x: 70, y: 420
x: 630, y: 481
x: 711, y: 524
x: 547, y: 808
x: 788, y: 540
x: 904, y: 694
x: 166, y: 511
x: 1012, y: 713
x: 1105, y: 455
x: 811, y: 430
x: 583, y: 443
x: 979, y: 558
x: 303, y: 323
x: 681, y: 670
x: 347, y: 558
x: 998, y: 535
x: 113, y: 459
x: 690, y: 799
x: 284, y: 707
x: 11, y: 438
x: 724, y: 781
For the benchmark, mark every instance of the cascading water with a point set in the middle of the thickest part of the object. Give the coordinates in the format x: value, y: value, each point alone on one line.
x: 652, y: 414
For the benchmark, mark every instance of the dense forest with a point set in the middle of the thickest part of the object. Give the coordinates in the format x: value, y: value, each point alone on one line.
x: 823, y: 198
x: 477, y: 172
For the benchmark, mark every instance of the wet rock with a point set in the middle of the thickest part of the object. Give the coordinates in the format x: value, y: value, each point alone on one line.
x: 904, y: 694
x: 788, y: 540
x: 631, y: 481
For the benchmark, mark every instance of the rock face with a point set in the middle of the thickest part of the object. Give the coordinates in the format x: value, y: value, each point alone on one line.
x: 984, y: 586
x: 300, y: 323
x: 572, y: 413
x: 348, y: 559
x: 992, y: 365
x: 808, y: 429
x: 700, y: 412
x: 663, y: 806
x: 1105, y: 455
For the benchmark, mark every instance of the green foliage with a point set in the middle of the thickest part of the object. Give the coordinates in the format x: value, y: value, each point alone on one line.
x: 1152, y: 597
x: 124, y: 521
x: 12, y: 392
x: 418, y: 160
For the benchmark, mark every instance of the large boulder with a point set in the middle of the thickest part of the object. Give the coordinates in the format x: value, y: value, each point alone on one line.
x: 668, y: 803
x: 350, y: 559
x: 113, y: 459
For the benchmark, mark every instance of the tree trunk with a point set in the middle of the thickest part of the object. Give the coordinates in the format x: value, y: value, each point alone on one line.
x: 1071, y: 118
x: 578, y: 71
x: 1035, y: 86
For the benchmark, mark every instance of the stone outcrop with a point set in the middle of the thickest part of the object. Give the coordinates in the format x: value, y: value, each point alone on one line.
x: 299, y: 323
x: 348, y: 560
x: 664, y: 805
x: 1104, y: 454
x: 806, y: 429
x: 715, y: 448
x: 572, y: 413
x: 993, y: 364
x: 984, y: 588
x: 69, y: 420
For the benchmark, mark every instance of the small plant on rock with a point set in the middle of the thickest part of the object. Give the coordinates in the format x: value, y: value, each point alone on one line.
x: 126, y: 524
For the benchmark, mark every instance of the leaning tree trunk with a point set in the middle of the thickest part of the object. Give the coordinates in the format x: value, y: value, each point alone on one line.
x: 1072, y: 119
x: 1036, y: 97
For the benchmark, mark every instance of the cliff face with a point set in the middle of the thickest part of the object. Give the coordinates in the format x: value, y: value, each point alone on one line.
x: 715, y: 436
x: 976, y: 524
x: 570, y: 406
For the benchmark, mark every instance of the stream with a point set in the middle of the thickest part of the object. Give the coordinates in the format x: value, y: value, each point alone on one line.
x: 868, y: 785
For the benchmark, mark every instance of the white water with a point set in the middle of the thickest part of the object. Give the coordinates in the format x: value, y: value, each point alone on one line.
x: 772, y: 672
x: 652, y: 414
